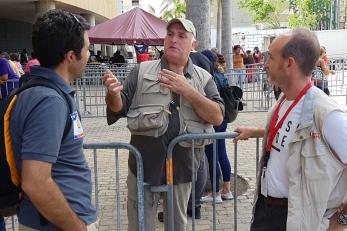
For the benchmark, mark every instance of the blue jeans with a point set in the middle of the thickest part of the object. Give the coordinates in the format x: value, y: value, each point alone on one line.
x: 2, y: 224
x: 222, y: 159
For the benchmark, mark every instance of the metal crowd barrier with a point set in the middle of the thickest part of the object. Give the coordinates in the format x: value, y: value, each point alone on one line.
x: 169, y: 174
x: 140, y: 182
x: 253, y: 80
x: 7, y: 86
x: 257, y: 90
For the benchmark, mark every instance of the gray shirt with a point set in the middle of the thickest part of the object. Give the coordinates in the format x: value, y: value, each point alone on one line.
x: 153, y: 150
x: 37, y: 125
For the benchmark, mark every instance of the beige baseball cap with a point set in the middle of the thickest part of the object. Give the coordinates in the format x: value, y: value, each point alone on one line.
x: 187, y: 24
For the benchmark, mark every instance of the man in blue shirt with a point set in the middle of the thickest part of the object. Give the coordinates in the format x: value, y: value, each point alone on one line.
x: 55, y: 176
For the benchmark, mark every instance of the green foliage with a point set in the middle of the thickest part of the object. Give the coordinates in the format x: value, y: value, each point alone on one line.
x: 266, y: 11
x: 309, y: 13
x: 178, y: 9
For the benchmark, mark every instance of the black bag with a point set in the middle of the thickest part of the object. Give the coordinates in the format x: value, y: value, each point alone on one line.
x: 10, y: 190
x: 232, y: 101
x: 231, y: 96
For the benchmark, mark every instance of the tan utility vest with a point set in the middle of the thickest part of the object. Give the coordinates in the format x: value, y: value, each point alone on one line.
x: 149, y: 112
x: 317, y: 178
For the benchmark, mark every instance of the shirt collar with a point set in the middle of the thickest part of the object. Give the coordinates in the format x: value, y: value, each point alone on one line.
x: 188, y: 69
x: 52, y: 76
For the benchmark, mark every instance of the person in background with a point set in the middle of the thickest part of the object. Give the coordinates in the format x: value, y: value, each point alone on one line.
x: 32, y: 62
x: 249, y: 61
x: 14, y: 57
x: 151, y: 54
x: 92, y: 57
x: 302, y: 180
x: 12, y: 64
x: 323, y: 83
x: 7, y: 73
x: 117, y: 58
x: 324, y: 56
x: 24, y: 57
x: 257, y: 56
x: 99, y: 57
x: 220, y: 58
x: 238, y: 64
x: 202, y: 61
x: 222, y: 162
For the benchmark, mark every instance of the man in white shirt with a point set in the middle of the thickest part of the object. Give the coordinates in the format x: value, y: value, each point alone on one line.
x: 302, y: 180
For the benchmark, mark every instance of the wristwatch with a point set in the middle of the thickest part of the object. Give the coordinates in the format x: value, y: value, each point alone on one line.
x: 342, y: 218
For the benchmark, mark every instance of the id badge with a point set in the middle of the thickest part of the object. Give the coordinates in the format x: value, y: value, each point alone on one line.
x: 77, y: 126
x: 263, y: 183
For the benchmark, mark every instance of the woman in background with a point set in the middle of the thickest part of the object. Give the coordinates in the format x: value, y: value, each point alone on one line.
x: 222, y: 162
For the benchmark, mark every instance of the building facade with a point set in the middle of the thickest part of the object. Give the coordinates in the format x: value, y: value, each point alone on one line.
x: 17, y: 17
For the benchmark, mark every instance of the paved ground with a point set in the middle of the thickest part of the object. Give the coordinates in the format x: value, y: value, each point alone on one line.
x: 97, y: 131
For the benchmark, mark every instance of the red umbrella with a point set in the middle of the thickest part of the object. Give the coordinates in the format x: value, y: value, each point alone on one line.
x: 133, y: 27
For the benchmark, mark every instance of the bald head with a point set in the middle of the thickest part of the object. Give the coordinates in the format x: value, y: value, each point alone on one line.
x: 303, y: 46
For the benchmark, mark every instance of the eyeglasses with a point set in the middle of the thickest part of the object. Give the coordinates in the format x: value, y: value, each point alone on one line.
x: 77, y: 20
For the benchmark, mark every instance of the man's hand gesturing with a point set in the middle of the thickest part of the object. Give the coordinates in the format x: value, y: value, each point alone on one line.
x: 175, y: 82
x: 112, y: 84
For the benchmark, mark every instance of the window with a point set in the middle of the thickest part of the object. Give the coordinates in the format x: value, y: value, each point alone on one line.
x: 135, y: 2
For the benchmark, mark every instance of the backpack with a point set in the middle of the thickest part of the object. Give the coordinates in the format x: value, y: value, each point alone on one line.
x: 10, y: 190
x: 231, y: 96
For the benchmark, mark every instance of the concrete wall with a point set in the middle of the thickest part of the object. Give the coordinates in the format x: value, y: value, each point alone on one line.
x: 106, y: 8
x: 334, y: 41
x: 16, y: 35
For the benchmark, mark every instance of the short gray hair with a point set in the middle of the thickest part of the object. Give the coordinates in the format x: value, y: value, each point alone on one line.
x: 304, y: 47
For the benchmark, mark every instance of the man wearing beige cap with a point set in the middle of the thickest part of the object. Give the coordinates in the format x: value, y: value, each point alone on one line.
x: 163, y: 99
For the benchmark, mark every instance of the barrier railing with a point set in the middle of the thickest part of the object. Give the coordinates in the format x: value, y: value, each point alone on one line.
x: 254, y: 81
x: 140, y: 182
x: 257, y: 90
x: 7, y: 86
x: 169, y: 174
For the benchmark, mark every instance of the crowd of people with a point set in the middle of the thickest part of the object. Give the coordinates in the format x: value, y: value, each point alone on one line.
x: 11, y: 69
x: 302, y: 180
x: 142, y: 55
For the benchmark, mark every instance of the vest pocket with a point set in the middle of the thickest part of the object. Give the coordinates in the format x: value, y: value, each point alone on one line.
x: 314, y: 164
x: 148, y: 121
x: 151, y: 84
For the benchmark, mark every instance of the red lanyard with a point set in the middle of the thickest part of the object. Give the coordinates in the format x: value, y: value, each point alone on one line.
x: 273, y: 127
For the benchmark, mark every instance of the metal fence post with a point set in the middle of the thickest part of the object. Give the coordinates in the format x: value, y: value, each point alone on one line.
x: 140, y: 182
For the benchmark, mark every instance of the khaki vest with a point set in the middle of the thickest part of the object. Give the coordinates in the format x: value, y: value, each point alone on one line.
x: 317, y: 179
x: 149, y: 112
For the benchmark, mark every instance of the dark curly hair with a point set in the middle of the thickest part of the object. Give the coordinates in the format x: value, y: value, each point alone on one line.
x: 236, y: 47
x: 55, y: 33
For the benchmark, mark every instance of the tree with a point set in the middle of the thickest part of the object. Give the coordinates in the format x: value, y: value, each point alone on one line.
x: 196, y: 12
x: 310, y: 13
x: 175, y: 9
x: 219, y: 24
x: 266, y: 11
x: 226, y: 31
